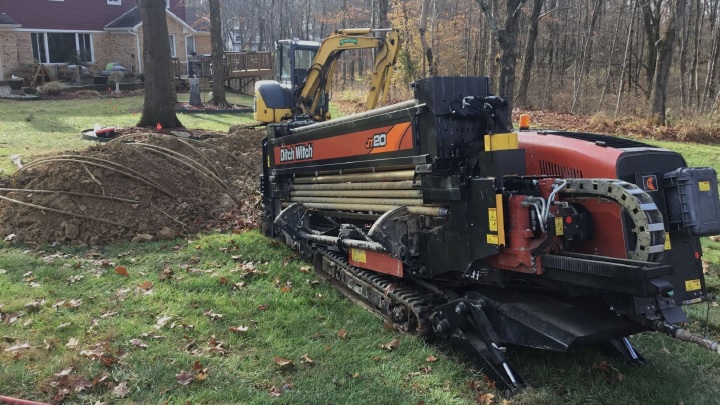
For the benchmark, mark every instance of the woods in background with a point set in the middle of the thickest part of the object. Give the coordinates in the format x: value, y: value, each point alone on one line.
x: 641, y: 57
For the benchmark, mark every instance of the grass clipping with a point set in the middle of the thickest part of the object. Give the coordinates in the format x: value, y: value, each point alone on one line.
x: 160, y: 186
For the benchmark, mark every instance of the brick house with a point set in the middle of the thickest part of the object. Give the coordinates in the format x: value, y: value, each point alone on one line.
x: 96, y: 31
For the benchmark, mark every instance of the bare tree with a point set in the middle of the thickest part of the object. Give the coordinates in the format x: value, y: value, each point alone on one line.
x: 506, y: 37
x: 218, y: 55
x: 529, y: 54
x: 160, y: 98
x: 664, y: 50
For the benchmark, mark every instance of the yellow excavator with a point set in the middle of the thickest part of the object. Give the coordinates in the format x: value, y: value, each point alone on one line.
x: 304, y: 69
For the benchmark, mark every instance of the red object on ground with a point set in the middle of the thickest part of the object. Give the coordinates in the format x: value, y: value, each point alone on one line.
x: 18, y: 401
x: 158, y: 126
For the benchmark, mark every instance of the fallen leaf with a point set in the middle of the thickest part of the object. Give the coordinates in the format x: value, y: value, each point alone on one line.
x: 342, y: 334
x: 197, y: 366
x: 139, y: 343
x: 17, y: 348
x: 263, y: 307
x: 610, y: 373
x: 81, y: 385
x: 35, y: 306
x: 506, y: 402
x: 283, y: 363
x: 275, y: 391
x: 431, y: 358
x: 162, y: 321
x: 121, y: 270
x: 49, y: 344
x: 224, y: 280
x: 238, y: 329
x: 201, y: 375
x: 72, y: 344
x: 75, y: 279
x: 715, y: 238
x: 108, y: 314
x: 64, y: 325
x: 238, y: 286
x: 121, y: 390
x: 212, y: 315
x: 305, y: 269
x: 184, y: 378
x: 64, y: 372
x: 74, y: 303
x: 665, y: 351
x: 485, y: 399
x: 393, y: 344
x: 145, y: 285
x: 305, y: 359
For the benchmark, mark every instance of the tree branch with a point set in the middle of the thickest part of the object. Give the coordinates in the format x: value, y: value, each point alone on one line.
x: 485, y: 7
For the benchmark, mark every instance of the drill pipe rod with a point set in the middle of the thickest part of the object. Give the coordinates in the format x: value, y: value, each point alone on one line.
x: 686, y: 336
x: 335, y: 241
x: 359, y: 193
x: 342, y: 178
x: 429, y: 211
x: 369, y: 201
x: 378, y: 185
x: 353, y: 117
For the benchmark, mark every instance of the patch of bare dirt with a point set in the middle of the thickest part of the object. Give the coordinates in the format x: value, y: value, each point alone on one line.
x: 169, y: 186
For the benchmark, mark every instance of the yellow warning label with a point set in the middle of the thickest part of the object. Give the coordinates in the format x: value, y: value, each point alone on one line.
x: 558, y: 226
x: 692, y: 285
x: 492, y: 218
x: 493, y: 240
x: 358, y: 255
x: 704, y: 186
x: 668, y: 246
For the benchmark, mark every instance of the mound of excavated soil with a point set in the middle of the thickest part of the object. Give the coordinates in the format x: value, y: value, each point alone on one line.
x: 163, y: 192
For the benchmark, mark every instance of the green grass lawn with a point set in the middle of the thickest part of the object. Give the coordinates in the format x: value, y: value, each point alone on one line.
x: 29, y: 128
x: 106, y: 336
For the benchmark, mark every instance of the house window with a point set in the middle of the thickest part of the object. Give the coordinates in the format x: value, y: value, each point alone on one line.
x: 60, y: 47
x: 115, y: 2
x: 190, y: 41
x: 172, y: 45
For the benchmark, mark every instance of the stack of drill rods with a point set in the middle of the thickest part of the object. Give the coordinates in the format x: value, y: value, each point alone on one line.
x: 366, y: 192
x: 358, y: 177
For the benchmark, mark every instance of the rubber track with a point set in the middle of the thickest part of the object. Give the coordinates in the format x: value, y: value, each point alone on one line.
x: 416, y: 300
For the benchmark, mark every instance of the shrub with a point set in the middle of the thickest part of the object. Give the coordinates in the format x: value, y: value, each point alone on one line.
x: 87, y: 94
x: 51, y: 89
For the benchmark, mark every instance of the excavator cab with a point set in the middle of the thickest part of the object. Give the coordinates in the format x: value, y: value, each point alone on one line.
x: 274, y: 98
x: 304, y: 72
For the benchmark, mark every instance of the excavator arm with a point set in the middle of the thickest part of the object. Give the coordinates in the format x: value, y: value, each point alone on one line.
x: 318, y: 81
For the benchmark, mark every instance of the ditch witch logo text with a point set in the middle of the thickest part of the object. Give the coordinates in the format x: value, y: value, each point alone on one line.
x: 292, y: 153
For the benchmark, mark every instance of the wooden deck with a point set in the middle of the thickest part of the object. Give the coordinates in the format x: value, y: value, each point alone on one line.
x: 236, y: 65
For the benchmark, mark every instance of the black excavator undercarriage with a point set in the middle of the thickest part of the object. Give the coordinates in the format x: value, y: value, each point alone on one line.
x: 435, y: 216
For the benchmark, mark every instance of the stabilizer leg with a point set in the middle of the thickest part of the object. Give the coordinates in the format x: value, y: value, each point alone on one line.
x: 465, y: 323
x: 622, y: 348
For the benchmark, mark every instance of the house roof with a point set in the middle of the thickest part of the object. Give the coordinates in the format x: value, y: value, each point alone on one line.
x: 7, y: 20
x: 130, y: 19
x: 195, y: 20
x: 133, y: 19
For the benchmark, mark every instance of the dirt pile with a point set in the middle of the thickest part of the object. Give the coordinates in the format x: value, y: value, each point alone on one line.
x: 150, y: 186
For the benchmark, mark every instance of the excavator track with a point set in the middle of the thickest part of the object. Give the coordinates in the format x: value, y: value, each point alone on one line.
x: 406, y: 306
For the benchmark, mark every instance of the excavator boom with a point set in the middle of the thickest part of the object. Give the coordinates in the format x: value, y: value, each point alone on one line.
x: 304, y: 89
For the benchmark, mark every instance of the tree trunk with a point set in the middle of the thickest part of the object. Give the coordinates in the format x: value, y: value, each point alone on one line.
x: 427, y: 50
x: 529, y: 56
x: 382, y: 15
x: 628, y: 44
x: 218, y: 51
x: 651, y: 19
x: 610, y: 57
x: 507, y: 39
x: 664, y: 48
x: 160, y: 98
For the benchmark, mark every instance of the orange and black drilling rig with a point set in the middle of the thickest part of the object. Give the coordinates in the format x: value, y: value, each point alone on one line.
x: 439, y: 218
